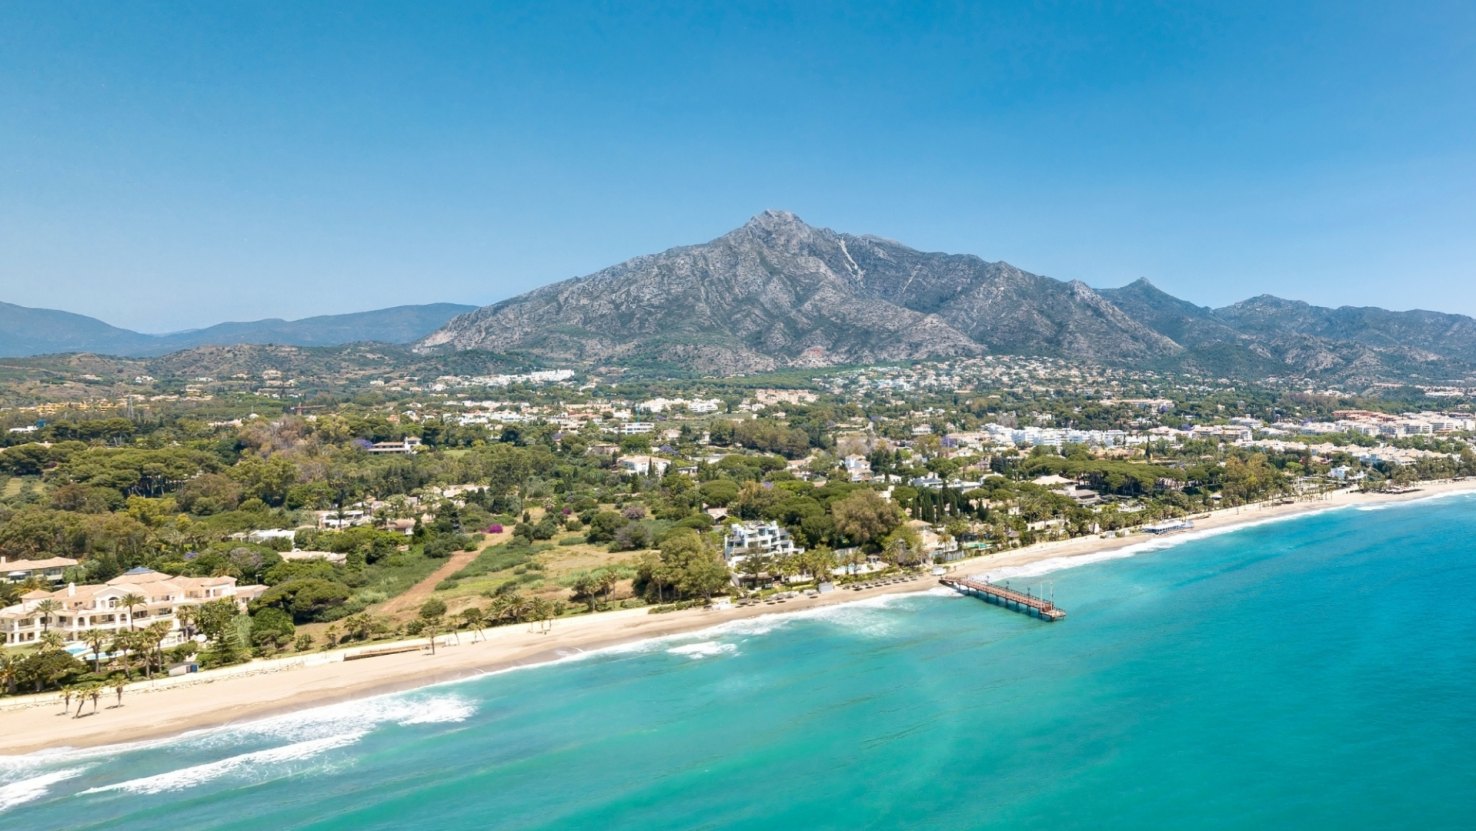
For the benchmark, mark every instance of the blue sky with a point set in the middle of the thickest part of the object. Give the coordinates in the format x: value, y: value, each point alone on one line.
x: 170, y: 165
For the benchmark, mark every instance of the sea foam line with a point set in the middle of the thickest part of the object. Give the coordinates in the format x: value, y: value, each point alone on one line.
x: 178, y: 780
x: 326, y: 721
x: 28, y: 790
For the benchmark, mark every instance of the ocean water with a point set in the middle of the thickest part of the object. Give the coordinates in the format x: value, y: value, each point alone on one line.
x: 1314, y: 673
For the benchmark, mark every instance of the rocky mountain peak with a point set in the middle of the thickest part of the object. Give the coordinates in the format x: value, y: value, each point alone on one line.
x: 772, y: 220
x: 779, y: 231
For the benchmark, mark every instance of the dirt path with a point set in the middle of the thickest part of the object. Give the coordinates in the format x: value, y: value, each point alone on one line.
x: 417, y: 594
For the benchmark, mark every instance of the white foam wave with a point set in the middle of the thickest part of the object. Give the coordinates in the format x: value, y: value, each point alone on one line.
x: 252, y: 763
x: 442, y: 710
x: 704, y: 649
x: 334, y: 719
x: 27, y: 790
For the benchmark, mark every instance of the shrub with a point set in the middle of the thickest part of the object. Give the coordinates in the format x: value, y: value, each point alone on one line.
x: 632, y: 537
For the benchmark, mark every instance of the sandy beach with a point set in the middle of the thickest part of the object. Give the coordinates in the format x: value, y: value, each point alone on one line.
x: 172, y: 706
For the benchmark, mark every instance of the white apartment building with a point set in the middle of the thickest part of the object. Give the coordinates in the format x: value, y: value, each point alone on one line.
x: 748, y: 538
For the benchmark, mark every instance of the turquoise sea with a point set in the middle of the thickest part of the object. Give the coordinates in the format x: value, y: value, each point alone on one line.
x: 1315, y: 673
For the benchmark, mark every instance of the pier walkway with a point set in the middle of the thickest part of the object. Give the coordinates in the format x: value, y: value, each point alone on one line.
x: 1008, y: 598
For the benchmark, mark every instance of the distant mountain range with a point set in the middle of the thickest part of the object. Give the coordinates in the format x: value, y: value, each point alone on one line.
x: 25, y: 331
x: 780, y: 293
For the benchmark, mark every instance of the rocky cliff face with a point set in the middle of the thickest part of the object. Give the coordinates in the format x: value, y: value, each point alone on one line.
x: 780, y: 293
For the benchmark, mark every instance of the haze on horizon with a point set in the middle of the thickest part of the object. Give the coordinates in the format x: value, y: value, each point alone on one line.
x: 167, y: 167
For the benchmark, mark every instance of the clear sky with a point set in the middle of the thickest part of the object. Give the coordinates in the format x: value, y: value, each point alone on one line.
x: 171, y: 165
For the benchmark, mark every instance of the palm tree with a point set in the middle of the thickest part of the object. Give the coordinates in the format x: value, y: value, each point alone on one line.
x: 51, y: 642
x: 155, y: 635
x: 475, y: 619
x: 499, y: 609
x: 94, y: 692
x: 357, y: 626
x: 97, y: 639
x: 187, y: 616
x: 46, y: 609
x: 126, y: 644
x: 9, y: 669
x: 67, y: 692
x: 608, y: 580
x: 130, y: 601
x: 119, y: 682
x: 542, y: 611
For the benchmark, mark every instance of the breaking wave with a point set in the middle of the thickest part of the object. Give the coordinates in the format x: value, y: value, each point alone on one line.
x: 27, y: 790
x: 704, y: 649
x: 256, y: 765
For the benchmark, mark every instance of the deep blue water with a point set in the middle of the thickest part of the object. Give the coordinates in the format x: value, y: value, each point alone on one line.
x: 1311, y: 673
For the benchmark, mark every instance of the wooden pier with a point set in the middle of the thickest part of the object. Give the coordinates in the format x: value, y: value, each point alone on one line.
x: 1008, y: 598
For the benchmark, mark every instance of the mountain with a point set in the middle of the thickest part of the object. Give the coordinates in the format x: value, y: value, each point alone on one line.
x: 1210, y: 344
x: 26, y: 331
x: 780, y: 293
x: 777, y: 292
x: 1357, y: 339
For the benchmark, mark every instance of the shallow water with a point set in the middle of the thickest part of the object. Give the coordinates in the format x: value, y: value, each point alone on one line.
x: 1316, y: 673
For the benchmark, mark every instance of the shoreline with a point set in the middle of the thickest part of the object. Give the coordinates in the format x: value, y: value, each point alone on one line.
x: 219, y: 698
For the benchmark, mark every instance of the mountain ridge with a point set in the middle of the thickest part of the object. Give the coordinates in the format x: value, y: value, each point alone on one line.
x: 26, y: 331
x: 778, y: 292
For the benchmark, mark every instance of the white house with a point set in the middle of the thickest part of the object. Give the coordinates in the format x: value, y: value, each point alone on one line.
x: 643, y: 465
x: 858, y: 469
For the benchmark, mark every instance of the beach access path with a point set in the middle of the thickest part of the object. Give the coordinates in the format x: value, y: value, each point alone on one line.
x: 172, y: 706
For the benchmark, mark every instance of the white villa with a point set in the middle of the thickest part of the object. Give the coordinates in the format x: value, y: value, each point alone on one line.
x: 100, y: 606
x: 406, y: 446
x: 643, y: 465
x: 748, y: 538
